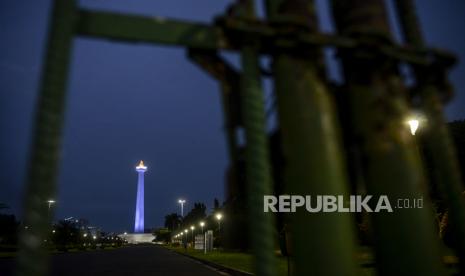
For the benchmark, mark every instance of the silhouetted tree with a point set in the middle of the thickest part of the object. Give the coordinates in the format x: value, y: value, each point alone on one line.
x: 195, y: 215
x: 172, y: 221
x: 66, y: 235
x: 162, y: 235
x: 8, y: 227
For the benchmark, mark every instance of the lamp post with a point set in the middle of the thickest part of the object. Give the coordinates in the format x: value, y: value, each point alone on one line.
x: 219, y: 216
x: 202, y: 224
x: 50, y: 203
x: 182, y: 201
x: 192, y: 228
x: 187, y: 238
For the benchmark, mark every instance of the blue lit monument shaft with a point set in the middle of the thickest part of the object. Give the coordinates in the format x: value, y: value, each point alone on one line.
x: 139, y: 218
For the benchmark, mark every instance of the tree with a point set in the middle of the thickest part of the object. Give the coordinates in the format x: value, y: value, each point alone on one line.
x: 162, y: 235
x: 8, y: 227
x: 172, y: 221
x: 216, y: 204
x: 66, y: 235
x: 195, y: 215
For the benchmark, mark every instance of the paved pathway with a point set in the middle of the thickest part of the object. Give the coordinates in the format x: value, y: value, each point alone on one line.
x: 134, y: 260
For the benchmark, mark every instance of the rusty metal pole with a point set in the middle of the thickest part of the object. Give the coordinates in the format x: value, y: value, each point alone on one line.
x: 436, y: 135
x: 45, y: 155
x: 405, y: 241
x: 313, y: 157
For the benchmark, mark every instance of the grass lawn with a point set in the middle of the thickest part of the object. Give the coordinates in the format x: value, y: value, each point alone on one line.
x: 236, y: 260
x: 244, y: 262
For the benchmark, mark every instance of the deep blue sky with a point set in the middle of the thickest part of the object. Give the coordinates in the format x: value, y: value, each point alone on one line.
x: 131, y: 102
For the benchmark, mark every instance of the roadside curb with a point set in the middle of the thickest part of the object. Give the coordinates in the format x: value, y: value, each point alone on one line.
x: 228, y: 270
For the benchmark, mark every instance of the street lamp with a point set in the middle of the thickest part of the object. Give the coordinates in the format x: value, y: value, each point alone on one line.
x: 202, y: 224
x: 187, y: 237
x: 192, y: 228
x: 414, y: 124
x: 182, y: 201
x: 219, y: 216
x: 50, y: 202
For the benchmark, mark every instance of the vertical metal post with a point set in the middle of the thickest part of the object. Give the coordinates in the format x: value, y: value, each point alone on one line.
x: 41, y: 181
x: 312, y: 151
x: 257, y: 158
x: 436, y: 134
x: 258, y: 173
x: 405, y: 242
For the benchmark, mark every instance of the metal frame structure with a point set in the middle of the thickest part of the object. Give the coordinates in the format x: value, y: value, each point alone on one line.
x: 375, y: 102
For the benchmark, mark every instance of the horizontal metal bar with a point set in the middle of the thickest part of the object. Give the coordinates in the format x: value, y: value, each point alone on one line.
x: 227, y: 35
x: 215, y: 65
x: 131, y: 28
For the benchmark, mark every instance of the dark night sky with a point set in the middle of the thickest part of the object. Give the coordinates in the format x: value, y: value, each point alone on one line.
x: 129, y: 102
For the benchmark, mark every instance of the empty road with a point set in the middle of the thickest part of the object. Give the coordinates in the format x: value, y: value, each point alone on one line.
x: 134, y: 260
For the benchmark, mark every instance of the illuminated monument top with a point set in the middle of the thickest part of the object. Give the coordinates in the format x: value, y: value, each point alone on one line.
x: 139, y: 217
x: 141, y: 166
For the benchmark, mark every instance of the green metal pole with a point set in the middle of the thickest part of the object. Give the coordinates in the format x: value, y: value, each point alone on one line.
x: 257, y: 157
x: 436, y: 133
x: 405, y: 242
x: 321, y: 243
x: 258, y: 173
x: 41, y: 181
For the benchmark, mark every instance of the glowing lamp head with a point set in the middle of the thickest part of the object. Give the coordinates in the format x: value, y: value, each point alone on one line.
x: 219, y: 216
x: 141, y: 167
x: 202, y: 224
x: 185, y: 230
x: 413, y: 124
x: 192, y: 227
x: 181, y: 201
